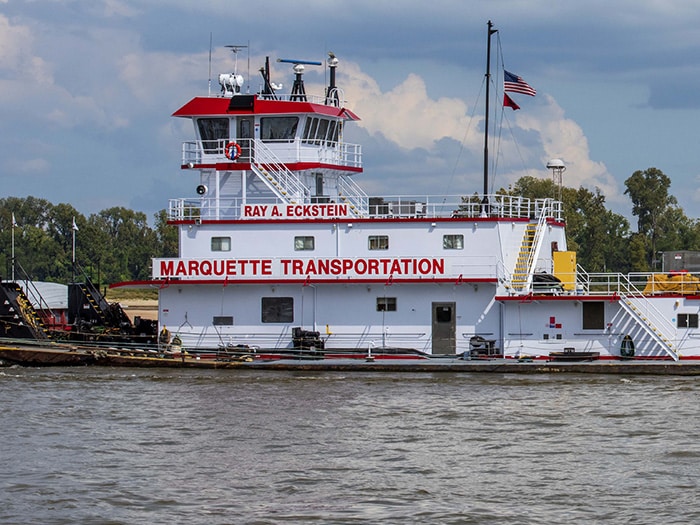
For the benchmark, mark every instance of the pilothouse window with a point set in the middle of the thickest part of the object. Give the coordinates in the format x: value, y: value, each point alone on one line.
x: 214, y: 133
x: 280, y: 129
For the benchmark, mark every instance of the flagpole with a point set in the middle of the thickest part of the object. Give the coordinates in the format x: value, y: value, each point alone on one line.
x: 73, y: 259
x: 491, y: 31
x: 13, y: 247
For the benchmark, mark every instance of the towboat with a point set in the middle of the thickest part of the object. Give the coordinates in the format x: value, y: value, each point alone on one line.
x: 281, y: 252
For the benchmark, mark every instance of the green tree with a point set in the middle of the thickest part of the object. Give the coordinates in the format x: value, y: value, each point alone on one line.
x: 648, y: 191
x: 167, y: 235
x: 597, y: 235
x: 131, y: 244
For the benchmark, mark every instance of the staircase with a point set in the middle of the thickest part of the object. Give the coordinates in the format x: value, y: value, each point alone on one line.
x: 521, y: 273
x: 648, y: 319
x: 521, y: 278
x: 18, y: 318
x: 87, y: 304
x: 351, y: 194
x: 277, y: 177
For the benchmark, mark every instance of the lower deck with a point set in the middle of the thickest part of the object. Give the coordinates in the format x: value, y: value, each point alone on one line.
x: 431, y: 318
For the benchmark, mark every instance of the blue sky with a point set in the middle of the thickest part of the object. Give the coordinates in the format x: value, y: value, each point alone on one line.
x: 87, y: 89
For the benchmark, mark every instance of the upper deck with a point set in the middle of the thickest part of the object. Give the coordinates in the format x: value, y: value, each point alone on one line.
x: 349, y: 206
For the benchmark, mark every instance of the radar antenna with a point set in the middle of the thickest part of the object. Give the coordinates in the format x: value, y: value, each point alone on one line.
x: 231, y: 82
x: 298, y: 91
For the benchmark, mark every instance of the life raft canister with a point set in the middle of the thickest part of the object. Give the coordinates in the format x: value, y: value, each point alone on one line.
x: 627, y: 347
x: 232, y: 150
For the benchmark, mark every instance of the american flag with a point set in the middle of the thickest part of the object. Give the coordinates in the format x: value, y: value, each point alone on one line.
x: 516, y: 84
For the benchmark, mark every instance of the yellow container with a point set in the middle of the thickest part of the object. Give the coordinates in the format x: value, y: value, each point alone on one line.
x: 565, y: 269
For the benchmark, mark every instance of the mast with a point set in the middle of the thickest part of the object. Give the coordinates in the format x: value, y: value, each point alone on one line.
x: 491, y: 31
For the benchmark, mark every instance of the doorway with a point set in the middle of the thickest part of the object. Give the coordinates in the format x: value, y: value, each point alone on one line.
x: 245, y: 139
x: 444, y: 328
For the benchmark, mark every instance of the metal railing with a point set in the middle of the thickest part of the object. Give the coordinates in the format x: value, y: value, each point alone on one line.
x: 377, y: 207
x: 208, y: 152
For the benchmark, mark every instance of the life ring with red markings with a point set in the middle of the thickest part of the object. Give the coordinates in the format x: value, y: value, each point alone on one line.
x: 232, y: 150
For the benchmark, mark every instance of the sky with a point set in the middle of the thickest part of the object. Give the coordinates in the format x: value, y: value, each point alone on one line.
x: 88, y: 87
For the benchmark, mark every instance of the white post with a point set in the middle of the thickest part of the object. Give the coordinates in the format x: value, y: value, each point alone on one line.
x: 14, y: 223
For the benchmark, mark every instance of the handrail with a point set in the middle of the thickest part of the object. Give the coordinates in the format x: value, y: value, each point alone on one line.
x: 32, y: 292
x: 265, y: 160
x: 504, y: 207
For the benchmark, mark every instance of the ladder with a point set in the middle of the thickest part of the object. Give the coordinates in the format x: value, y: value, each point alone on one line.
x: 530, y: 247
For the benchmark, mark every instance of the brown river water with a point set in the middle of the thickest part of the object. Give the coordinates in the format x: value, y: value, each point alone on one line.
x: 122, y: 446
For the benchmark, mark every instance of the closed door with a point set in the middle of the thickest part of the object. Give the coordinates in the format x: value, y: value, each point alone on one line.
x: 444, y: 328
x: 245, y: 139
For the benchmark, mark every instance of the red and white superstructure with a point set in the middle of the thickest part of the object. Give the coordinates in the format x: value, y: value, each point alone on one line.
x: 280, y: 250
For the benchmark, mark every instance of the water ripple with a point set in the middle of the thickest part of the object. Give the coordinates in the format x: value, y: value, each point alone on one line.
x: 100, y: 446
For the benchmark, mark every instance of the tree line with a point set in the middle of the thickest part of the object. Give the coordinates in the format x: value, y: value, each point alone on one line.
x: 111, y: 246
x: 604, y: 241
x: 117, y: 244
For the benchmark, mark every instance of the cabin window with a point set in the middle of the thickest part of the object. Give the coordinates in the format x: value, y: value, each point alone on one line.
x: 453, y: 242
x: 378, y: 242
x: 386, y: 304
x: 277, y: 310
x: 304, y: 243
x: 280, y: 129
x: 333, y: 133
x: 214, y: 133
x: 221, y: 244
x: 593, y: 315
x: 687, y: 320
x: 310, y: 129
x: 322, y: 130
x: 443, y: 314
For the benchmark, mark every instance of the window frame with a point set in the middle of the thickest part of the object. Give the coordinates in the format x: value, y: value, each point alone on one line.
x: 270, y: 127
x: 304, y: 243
x: 378, y: 242
x: 449, y: 241
x: 593, y: 315
x: 276, y: 310
x: 212, y: 134
x: 690, y: 320
x: 218, y: 244
x: 386, y: 304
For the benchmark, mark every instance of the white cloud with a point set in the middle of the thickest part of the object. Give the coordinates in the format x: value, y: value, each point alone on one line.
x: 406, y: 115
x: 563, y: 138
x: 409, y: 118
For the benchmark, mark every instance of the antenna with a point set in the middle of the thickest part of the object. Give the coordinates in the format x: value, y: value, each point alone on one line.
x: 298, y: 91
x: 558, y: 168
x: 302, y: 62
x: 210, y: 39
x: 231, y: 83
x: 235, y: 49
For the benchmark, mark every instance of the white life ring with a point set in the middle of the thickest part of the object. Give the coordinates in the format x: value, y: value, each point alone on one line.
x: 232, y: 150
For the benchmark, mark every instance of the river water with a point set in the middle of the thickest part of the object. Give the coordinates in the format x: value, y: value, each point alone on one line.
x: 123, y: 446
